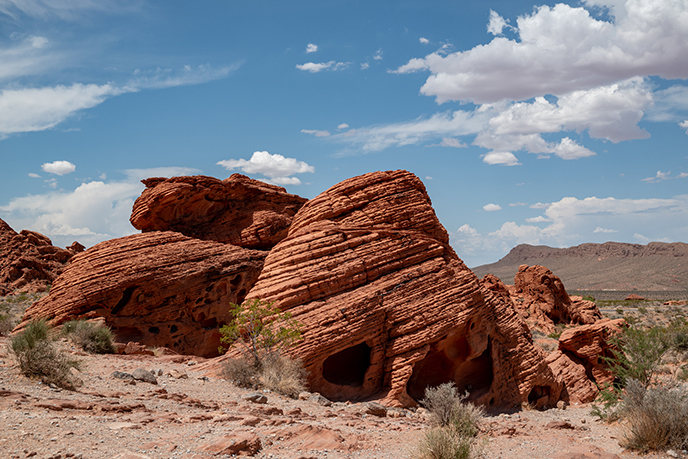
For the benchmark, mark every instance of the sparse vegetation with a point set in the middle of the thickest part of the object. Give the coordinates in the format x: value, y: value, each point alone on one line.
x: 92, y: 338
x: 262, y: 332
x: 38, y: 357
x: 6, y: 322
x: 455, y: 425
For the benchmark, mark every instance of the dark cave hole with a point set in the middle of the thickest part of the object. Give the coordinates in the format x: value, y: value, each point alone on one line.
x: 236, y: 280
x: 154, y: 330
x: 348, y: 367
x: 126, y: 296
x: 209, y: 324
x: 537, y: 393
x: 173, y: 329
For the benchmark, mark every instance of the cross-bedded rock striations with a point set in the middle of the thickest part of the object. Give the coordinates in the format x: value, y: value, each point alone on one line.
x: 29, y: 261
x: 238, y: 210
x: 387, y: 306
x: 156, y: 288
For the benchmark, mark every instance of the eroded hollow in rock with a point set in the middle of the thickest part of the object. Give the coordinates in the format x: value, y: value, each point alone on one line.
x: 348, y: 367
x: 449, y: 361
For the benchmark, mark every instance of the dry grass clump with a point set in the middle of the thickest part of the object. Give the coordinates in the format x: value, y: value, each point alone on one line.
x: 92, y: 338
x: 657, y: 417
x: 455, y: 425
x: 38, y: 357
x: 275, y: 372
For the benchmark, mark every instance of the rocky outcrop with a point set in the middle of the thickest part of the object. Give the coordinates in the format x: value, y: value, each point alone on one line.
x: 388, y: 308
x: 29, y: 261
x: 579, y: 361
x: 156, y: 288
x: 238, y: 210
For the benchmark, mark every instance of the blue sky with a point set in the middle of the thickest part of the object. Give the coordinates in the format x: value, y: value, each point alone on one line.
x: 529, y: 122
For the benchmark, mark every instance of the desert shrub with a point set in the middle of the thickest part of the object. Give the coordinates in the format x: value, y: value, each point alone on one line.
x: 6, y: 322
x: 455, y: 422
x: 589, y: 298
x: 92, y: 338
x: 657, y: 417
x: 283, y: 375
x: 38, y: 357
x: 262, y: 333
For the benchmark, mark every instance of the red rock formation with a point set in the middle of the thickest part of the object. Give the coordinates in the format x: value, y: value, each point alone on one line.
x: 634, y: 297
x: 578, y: 361
x: 237, y: 210
x: 542, y: 299
x: 157, y: 288
x: 388, y: 308
x: 29, y: 261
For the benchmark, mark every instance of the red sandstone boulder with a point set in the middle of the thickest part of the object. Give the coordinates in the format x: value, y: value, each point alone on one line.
x: 541, y: 297
x: 634, y: 297
x: 579, y: 360
x: 157, y: 289
x: 237, y: 210
x: 29, y: 261
x: 388, y: 308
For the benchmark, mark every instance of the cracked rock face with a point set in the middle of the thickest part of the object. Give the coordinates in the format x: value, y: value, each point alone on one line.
x: 387, y: 306
x: 158, y: 288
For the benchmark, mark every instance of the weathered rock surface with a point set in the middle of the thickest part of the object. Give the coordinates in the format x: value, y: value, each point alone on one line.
x: 541, y: 298
x: 29, y: 261
x: 388, y: 308
x: 579, y: 359
x: 156, y: 288
x: 237, y: 210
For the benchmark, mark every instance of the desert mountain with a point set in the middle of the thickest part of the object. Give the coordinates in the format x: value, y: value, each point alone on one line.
x: 612, y: 265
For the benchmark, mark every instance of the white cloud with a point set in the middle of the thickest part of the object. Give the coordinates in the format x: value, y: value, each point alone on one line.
x: 505, y: 158
x: 316, y: 133
x: 661, y: 176
x: 452, y: 142
x: 34, y: 175
x: 93, y: 212
x: 427, y: 177
x: 378, y: 55
x: 604, y: 230
x: 313, y: 67
x: 311, y: 48
x: 277, y: 168
x: 58, y: 167
x: 64, y: 9
x: 491, y: 207
x: 669, y: 104
x: 365, y: 65
x: 424, y: 40
x: 496, y: 24
x: 684, y: 125
x: 343, y: 126
x: 517, y: 204
x: 573, y: 220
x: 538, y: 219
x: 562, y: 49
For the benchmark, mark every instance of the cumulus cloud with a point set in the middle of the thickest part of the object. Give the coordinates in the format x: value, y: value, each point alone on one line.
x: 34, y: 175
x: 574, y: 221
x: 505, y: 158
x: 311, y: 48
x: 91, y: 213
x: 313, y: 67
x: 451, y: 142
x: 316, y: 133
x: 496, y: 24
x: 491, y: 207
x: 343, y: 126
x: 684, y: 125
x: 276, y: 168
x: 562, y: 49
x: 58, y: 167
x: 538, y: 219
x: 661, y: 176
x: 365, y: 65
x: 424, y: 40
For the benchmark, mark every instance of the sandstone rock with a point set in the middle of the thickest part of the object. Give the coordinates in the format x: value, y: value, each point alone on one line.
x: 256, y: 397
x: 541, y: 297
x: 375, y: 409
x: 156, y: 288
x: 178, y: 374
x: 29, y: 261
x: 319, y: 399
x: 578, y: 361
x: 121, y: 375
x: 387, y: 306
x: 144, y: 375
x: 237, y: 210
x: 241, y: 443
x: 634, y: 297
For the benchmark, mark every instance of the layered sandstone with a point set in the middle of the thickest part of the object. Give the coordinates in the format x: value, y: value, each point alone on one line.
x: 29, y: 261
x: 237, y: 210
x: 388, y: 308
x: 155, y: 288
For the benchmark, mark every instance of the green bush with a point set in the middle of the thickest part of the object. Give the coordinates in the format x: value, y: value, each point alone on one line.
x: 656, y: 418
x: 455, y: 424
x: 90, y: 337
x: 38, y: 357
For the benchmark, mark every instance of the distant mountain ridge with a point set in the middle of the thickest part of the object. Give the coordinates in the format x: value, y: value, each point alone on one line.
x: 607, y: 266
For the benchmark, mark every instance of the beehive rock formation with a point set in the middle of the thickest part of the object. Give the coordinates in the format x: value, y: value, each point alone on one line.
x: 238, y: 210
x: 387, y: 306
x: 29, y: 261
x: 156, y: 288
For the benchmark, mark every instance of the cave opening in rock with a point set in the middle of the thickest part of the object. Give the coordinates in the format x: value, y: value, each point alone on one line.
x: 126, y: 296
x: 539, y: 395
x: 348, y: 367
x: 447, y: 361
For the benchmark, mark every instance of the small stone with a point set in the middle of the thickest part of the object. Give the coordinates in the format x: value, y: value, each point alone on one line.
x: 178, y: 374
x: 375, y: 409
x: 191, y: 363
x: 561, y: 405
x: 304, y: 395
x: 256, y: 397
x: 121, y: 375
x: 144, y: 375
x: 319, y: 399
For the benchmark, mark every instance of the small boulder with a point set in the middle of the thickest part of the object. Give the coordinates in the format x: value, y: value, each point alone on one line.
x: 256, y: 397
x: 319, y: 399
x: 178, y: 374
x: 122, y: 375
x: 375, y: 409
x: 243, y: 443
x: 144, y: 375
